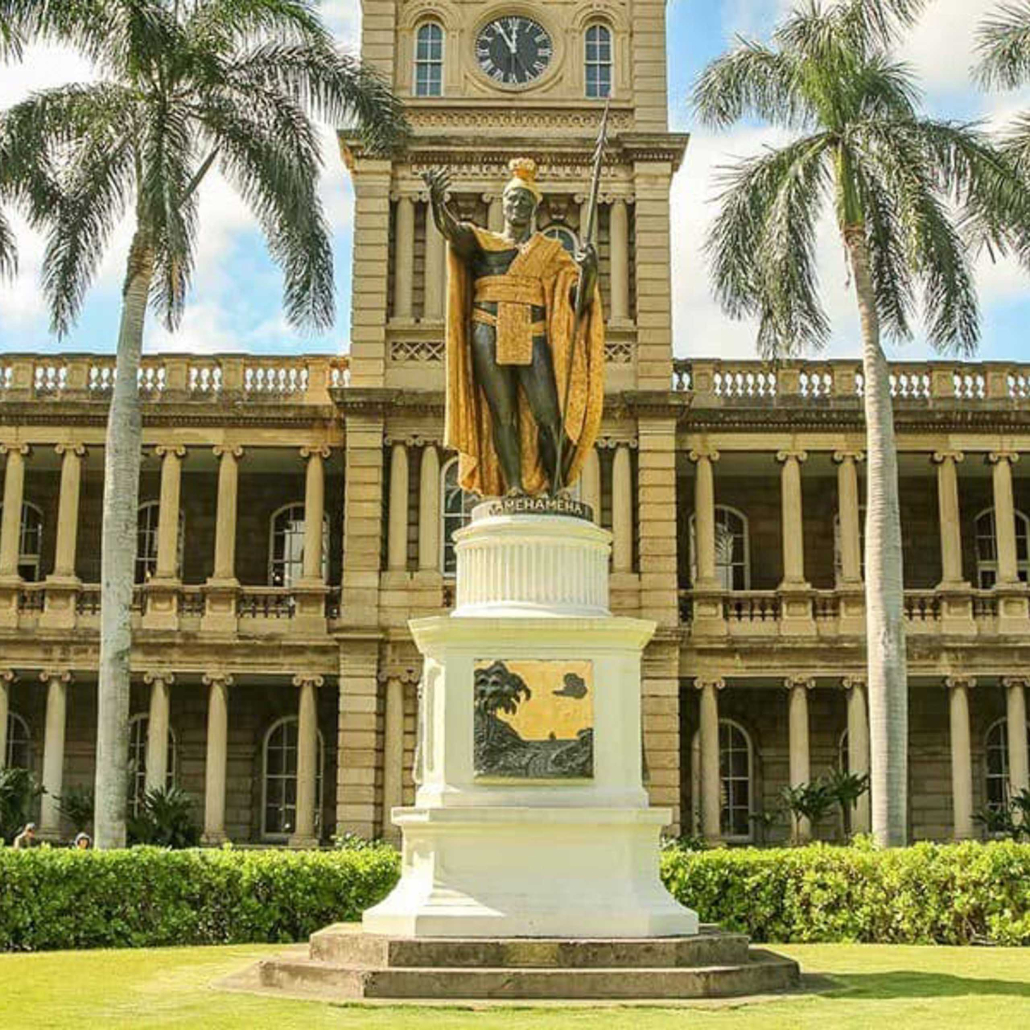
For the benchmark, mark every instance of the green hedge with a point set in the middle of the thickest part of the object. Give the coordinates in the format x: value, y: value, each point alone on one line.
x: 147, y: 897
x: 927, y: 894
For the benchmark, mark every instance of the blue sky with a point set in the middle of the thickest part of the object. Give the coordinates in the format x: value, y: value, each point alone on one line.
x: 235, y: 302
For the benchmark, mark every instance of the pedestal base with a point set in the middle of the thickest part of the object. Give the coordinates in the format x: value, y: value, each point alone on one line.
x: 530, y: 872
x: 343, y: 964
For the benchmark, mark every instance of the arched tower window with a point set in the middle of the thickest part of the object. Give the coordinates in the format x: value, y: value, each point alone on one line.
x: 987, y: 549
x: 286, y: 546
x: 138, y: 726
x: 429, y: 60
x: 148, y: 515
x: 30, y: 541
x: 455, y: 511
x: 279, y: 780
x: 598, y: 63
x: 996, y: 768
x: 736, y: 781
x: 843, y: 761
x: 19, y: 743
x: 732, y: 549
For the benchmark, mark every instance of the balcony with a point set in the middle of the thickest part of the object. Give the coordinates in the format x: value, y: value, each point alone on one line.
x: 760, y: 613
x: 175, y: 378
x: 743, y: 384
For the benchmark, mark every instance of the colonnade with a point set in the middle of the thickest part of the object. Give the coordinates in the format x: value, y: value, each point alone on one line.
x: 406, y: 217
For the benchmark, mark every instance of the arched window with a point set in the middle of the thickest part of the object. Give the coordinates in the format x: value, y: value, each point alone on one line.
x: 996, y: 748
x: 598, y: 63
x: 838, y: 554
x: 19, y: 743
x: 30, y: 541
x: 429, y: 60
x: 732, y: 549
x: 564, y: 235
x: 148, y: 517
x: 279, y: 780
x: 987, y: 550
x: 455, y: 511
x: 736, y: 779
x: 138, y: 726
x: 286, y: 546
x: 843, y: 762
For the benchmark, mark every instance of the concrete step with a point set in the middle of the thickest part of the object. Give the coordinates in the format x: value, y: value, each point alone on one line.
x: 762, y: 973
x: 345, y: 944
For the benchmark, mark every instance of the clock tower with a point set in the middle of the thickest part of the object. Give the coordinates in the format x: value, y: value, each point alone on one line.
x: 484, y: 82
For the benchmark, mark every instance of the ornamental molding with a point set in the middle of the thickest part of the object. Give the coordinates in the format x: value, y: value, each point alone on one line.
x: 717, y: 682
x: 55, y: 676
x: 806, y: 682
x: 850, y: 683
x: 840, y: 457
x: 167, y: 678
x: 1015, y: 681
x: 940, y: 457
x: 304, y: 678
x: 76, y: 449
x: 954, y: 682
x: 477, y: 117
x: 409, y: 675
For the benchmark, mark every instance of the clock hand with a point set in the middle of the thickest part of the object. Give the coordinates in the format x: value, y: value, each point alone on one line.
x: 504, y: 36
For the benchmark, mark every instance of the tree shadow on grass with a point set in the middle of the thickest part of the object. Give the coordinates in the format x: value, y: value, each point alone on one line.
x: 902, y: 984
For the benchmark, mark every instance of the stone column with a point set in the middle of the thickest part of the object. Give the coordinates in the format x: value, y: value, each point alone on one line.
x: 397, y: 533
x: 795, y: 593
x: 304, y: 835
x: 1012, y: 599
x: 429, y: 510
x: 168, y: 512
x: 393, y: 753
x: 707, y: 590
x: 225, y: 517
x: 961, y: 755
x: 792, y: 517
x: 622, y: 510
x: 619, y: 261
x: 435, y: 277
x: 68, y: 509
x: 215, y: 767
x: 314, y: 512
x: 711, y: 778
x: 53, y: 751
x: 157, y: 728
x: 404, y: 258
x: 14, y: 494
x: 1015, y: 708
x: 590, y: 490
x: 950, y: 522
x: 62, y: 584
x: 800, y: 768
x: 849, y: 514
x: 494, y: 212
x: 6, y: 678
x: 858, y: 747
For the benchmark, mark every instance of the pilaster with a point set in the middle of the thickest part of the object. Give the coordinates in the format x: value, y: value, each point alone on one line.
x: 356, y: 809
x: 363, y: 519
x: 163, y: 588
x: 62, y: 584
x: 222, y: 588
x: 10, y: 531
x: 795, y: 591
x: 708, y: 620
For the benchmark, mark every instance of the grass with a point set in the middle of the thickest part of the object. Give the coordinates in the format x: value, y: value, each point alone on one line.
x: 881, y: 988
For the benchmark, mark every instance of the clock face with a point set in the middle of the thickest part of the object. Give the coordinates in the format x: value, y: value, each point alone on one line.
x: 514, y: 50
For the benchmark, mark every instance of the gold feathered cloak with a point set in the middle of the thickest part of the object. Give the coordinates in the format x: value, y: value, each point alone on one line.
x: 468, y: 427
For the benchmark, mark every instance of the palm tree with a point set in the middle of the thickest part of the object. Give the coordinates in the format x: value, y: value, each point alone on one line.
x: 908, y: 194
x: 186, y: 86
x: 1004, y: 46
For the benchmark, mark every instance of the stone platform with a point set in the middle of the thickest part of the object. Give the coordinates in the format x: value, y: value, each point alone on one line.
x: 345, y: 964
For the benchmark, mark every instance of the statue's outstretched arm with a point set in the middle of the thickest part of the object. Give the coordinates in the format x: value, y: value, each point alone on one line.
x: 586, y: 258
x: 452, y: 228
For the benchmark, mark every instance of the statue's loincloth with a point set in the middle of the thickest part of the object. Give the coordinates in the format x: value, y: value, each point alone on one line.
x: 515, y: 297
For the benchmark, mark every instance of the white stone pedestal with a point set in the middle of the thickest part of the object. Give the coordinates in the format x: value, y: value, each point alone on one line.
x: 497, y: 856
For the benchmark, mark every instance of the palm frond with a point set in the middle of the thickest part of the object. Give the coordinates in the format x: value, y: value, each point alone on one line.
x: 223, y: 25
x: 762, y: 245
x: 272, y: 159
x: 750, y: 80
x: 1003, y: 46
x: 334, y: 87
x: 8, y: 250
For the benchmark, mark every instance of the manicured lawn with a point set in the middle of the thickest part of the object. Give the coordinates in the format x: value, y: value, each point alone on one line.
x: 883, y: 988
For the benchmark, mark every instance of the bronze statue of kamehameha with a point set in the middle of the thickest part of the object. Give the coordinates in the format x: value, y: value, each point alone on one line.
x: 525, y: 346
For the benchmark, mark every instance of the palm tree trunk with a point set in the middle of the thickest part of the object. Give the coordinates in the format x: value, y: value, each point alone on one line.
x: 118, y: 553
x: 885, y: 626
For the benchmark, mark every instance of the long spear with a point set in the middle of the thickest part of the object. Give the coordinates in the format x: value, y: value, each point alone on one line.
x: 585, y: 238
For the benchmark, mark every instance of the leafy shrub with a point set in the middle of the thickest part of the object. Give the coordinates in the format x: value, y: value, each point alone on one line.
x: 927, y: 894
x: 18, y: 792
x: 1012, y: 820
x: 150, y: 897
x: 165, y: 819
x: 76, y: 805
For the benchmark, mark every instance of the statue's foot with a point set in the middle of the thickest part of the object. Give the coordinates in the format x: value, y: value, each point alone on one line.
x: 516, y: 491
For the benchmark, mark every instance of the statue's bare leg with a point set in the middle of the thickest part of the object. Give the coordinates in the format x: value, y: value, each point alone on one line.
x: 541, y: 390
x: 502, y: 395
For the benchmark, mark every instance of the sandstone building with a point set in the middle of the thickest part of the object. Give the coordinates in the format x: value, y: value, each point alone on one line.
x: 297, y: 511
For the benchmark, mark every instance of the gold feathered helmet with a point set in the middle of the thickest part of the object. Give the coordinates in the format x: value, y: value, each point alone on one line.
x: 523, y: 177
